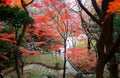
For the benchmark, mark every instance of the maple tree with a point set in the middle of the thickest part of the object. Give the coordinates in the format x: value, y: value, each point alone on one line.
x: 43, y: 33
x: 57, y: 18
x: 63, y: 22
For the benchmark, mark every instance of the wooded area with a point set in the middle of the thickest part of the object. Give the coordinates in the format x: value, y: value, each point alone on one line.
x: 84, y: 33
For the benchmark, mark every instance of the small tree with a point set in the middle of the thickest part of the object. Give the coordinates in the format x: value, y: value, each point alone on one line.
x: 58, y: 19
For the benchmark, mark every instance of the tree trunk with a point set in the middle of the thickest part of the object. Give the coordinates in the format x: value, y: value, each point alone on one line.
x: 109, y: 43
x: 104, y: 46
x: 17, y: 66
x: 22, y: 65
x: 100, y: 68
x: 21, y: 36
x: 64, y: 71
x: 10, y: 28
x: 89, y: 45
x: 16, y: 55
x: 105, y: 41
x: 113, y: 68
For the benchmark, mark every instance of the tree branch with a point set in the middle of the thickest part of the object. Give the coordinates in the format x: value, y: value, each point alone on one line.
x: 23, y: 5
x: 29, y: 3
x: 97, y: 9
x: 21, y: 36
x: 92, y: 17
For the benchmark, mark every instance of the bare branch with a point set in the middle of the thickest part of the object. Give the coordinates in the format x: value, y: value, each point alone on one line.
x: 92, y: 17
x: 97, y: 9
x: 29, y: 3
x: 24, y: 5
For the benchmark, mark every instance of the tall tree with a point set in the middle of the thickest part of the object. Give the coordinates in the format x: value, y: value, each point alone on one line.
x: 106, y: 48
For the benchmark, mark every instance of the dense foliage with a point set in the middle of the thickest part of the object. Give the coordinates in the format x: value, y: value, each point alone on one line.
x: 15, y: 16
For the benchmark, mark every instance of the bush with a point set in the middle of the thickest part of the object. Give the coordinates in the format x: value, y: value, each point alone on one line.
x: 84, y: 60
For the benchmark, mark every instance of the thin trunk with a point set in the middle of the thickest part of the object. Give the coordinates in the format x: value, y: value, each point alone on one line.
x: 64, y: 71
x: 17, y: 66
x: 9, y: 56
x: 21, y: 36
x: 22, y: 65
x: 10, y: 28
x: 17, y: 58
x: 89, y: 45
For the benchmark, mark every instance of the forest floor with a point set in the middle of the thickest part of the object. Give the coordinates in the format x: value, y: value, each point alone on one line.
x: 42, y: 66
x: 39, y: 71
x: 48, y: 60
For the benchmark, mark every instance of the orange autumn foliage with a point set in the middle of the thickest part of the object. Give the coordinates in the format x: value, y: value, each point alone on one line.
x: 114, y: 7
x: 65, y: 16
x: 50, y: 2
x: 56, y: 47
x: 26, y: 52
x: 36, y: 5
x: 43, y: 27
x: 83, y: 59
x: 7, y: 37
x: 99, y: 2
x: 59, y: 16
x: 54, y: 23
x: 44, y: 30
x: 4, y: 57
x: 50, y: 13
x: 11, y: 36
x: 14, y: 3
